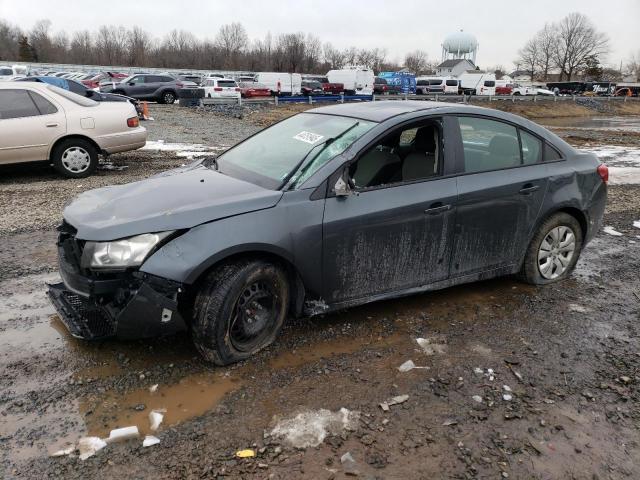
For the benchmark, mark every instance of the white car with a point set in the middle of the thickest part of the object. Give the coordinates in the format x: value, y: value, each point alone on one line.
x: 8, y: 73
x: 221, y: 88
x: 41, y: 122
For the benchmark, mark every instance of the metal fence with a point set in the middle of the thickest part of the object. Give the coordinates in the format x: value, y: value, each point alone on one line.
x: 467, y: 99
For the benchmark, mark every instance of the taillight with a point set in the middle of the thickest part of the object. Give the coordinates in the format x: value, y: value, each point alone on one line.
x: 133, y: 122
x: 237, y: 89
x: 603, y: 171
x: 217, y: 89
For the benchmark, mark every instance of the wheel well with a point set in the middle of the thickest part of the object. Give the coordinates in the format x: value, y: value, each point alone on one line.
x: 68, y: 137
x: 295, y: 280
x: 579, y: 216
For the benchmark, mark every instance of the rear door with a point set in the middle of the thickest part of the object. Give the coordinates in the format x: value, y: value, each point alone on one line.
x: 228, y: 88
x: 394, y: 232
x: 29, y: 123
x: 500, y: 194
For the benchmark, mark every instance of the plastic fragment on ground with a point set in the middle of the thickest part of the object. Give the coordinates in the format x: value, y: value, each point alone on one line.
x: 150, y: 440
x: 88, y: 446
x: 248, y: 453
x: 123, y: 434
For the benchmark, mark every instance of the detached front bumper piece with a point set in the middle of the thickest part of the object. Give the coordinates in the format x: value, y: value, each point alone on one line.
x: 150, y: 310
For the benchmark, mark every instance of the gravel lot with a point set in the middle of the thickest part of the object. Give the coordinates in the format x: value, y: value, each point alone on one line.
x: 568, y: 354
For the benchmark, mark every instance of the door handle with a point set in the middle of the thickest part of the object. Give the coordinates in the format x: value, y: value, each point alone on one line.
x: 52, y: 125
x: 437, y: 208
x: 528, y: 188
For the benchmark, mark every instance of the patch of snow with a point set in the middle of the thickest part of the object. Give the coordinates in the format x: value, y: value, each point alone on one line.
x: 574, y: 307
x: 311, y: 427
x: 636, y: 223
x: 430, y: 346
x: 187, y: 150
x: 623, y: 163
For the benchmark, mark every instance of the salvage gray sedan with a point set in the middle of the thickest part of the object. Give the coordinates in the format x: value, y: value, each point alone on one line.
x: 335, y: 207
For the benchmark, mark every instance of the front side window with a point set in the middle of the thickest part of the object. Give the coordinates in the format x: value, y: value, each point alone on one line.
x: 292, y: 149
x: 16, y: 104
x: 137, y: 79
x: 488, y: 144
x: 406, y: 155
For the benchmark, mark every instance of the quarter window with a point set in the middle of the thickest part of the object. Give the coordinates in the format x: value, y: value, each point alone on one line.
x: 551, y: 154
x: 16, y: 104
x: 488, y: 144
x: 44, y: 106
x: 531, y: 148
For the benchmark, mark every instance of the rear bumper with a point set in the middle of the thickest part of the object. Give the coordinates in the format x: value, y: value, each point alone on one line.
x: 128, y: 309
x: 123, y: 142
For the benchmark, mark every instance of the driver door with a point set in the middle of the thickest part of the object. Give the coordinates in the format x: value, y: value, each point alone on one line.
x: 394, y: 231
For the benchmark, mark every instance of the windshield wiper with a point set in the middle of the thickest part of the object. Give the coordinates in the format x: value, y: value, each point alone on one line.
x: 303, y: 163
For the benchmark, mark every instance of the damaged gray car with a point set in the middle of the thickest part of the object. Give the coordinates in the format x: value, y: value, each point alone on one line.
x: 331, y: 208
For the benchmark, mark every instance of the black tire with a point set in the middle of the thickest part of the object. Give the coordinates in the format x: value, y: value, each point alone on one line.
x: 167, y: 97
x: 62, y: 160
x: 516, y: 94
x: 531, y: 268
x: 229, y: 305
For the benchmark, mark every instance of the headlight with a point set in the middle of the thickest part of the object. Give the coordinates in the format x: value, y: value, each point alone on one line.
x: 120, y: 254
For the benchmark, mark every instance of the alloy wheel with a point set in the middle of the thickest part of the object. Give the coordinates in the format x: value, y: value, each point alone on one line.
x: 556, y: 252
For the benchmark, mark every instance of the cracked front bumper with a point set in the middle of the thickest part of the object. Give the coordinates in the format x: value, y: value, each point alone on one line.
x: 149, y: 309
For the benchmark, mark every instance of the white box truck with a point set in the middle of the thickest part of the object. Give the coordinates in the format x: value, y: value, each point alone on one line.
x: 356, y: 80
x: 281, y: 83
x: 479, y: 83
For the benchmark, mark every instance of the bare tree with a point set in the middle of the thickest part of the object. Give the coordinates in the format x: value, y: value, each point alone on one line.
x: 416, y: 62
x: 232, y: 40
x: 332, y: 56
x: 139, y: 46
x: 578, y: 41
x: 40, y: 41
x: 529, y: 56
x: 547, y: 43
x: 10, y: 37
x: 632, y: 68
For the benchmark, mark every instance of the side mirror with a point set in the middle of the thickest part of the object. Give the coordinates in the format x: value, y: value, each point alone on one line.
x: 131, y: 84
x: 342, y: 188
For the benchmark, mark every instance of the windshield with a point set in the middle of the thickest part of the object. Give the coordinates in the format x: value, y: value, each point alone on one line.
x: 271, y: 156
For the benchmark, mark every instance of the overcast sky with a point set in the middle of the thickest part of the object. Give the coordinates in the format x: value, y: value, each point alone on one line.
x: 399, y: 26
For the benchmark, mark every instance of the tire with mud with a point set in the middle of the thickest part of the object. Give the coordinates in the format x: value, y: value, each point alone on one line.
x: 239, y: 309
x: 554, y: 250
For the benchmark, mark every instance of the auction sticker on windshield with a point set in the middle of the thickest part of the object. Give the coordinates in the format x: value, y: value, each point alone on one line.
x: 308, y: 137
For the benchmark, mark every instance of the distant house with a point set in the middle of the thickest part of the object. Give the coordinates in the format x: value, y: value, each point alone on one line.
x: 520, y: 76
x: 454, y: 67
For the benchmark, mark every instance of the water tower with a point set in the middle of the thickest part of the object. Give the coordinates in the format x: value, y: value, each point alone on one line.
x: 460, y: 45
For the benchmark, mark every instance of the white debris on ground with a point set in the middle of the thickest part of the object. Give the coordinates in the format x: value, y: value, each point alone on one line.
x: 636, y: 223
x: 153, y: 388
x: 477, y: 398
x: 123, y: 434
x: 430, y: 346
x: 188, y: 150
x: 623, y: 163
x: 311, y: 427
x: 64, y: 451
x: 397, y: 400
x: 574, y: 307
x: 612, y: 231
x: 150, y: 440
x: 409, y: 365
x: 155, y: 418
x: 88, y: 446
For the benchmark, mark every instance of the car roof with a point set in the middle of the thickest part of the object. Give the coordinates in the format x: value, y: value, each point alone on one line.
x: 378, y: 111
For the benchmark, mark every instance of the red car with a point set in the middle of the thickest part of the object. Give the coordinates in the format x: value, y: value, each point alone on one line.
x: 327, y: 86
x: 94, y: 82
x: 253, y: 89
x: 504, y: 89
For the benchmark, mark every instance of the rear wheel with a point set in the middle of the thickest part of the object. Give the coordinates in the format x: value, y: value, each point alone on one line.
x: 75, y: 158
x: 239, y: 310
x: 554, y: 250
x: 167, y: 97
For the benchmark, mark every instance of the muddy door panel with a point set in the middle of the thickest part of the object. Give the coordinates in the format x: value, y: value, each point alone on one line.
x: 496, y: 212
x: 387, y: 239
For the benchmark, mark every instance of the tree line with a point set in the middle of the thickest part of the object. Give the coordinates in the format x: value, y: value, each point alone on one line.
x: 231, y: 49
x: 570, y: 48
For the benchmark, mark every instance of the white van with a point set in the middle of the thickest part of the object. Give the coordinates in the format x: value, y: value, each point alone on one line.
x: 356, y: 80
x: 436, y: 85
x: 473, y: 83
x: 7, y: 72
x: 281, y: 83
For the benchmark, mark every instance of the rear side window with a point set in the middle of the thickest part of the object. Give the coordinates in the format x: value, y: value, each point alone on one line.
x: 165, y: 79
x: 531, y: 148
x: 73, y: 97
x: 45, y: 107
x: 452, y: 83
x: 488, y: 144
x: 551, y: 154
x: 489, y: 83
x: 435, y: 82
x: 16, y: 104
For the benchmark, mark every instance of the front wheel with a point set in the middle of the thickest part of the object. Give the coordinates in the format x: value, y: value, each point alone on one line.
x: 554, y: 250
x: 239, y: 310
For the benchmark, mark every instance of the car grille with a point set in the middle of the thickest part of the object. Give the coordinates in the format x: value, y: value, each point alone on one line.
x: 89, y: 321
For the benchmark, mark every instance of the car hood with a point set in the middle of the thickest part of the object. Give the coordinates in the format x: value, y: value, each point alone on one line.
x: 181, y: 198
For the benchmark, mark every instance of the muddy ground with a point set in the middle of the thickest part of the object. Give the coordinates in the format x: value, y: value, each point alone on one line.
x: 568, y: 354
